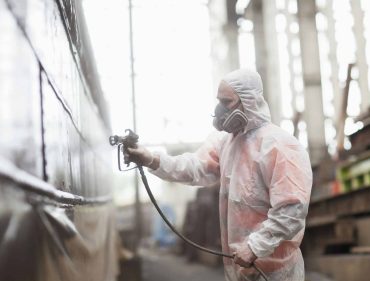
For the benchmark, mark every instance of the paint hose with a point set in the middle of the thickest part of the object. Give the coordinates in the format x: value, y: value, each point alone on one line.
x: 150, y: 194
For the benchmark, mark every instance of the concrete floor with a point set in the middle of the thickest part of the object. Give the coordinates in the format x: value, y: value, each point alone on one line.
x: 162, y: 266
x: 159, y: 265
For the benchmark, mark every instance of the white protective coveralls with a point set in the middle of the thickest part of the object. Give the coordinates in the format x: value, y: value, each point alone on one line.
x: 265, y: 182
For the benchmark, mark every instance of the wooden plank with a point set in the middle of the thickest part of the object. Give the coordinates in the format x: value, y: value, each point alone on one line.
x: 320, y: 221
x: 344, y: 230
x: 341, y: 267
x: 356, y: 202
x: 363, y: 231
x: 360, y: 250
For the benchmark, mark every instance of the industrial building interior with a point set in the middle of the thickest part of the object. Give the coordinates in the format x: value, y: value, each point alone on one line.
x: 75, y: 72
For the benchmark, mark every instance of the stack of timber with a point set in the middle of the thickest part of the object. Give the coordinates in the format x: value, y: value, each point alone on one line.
x: 337, y: 238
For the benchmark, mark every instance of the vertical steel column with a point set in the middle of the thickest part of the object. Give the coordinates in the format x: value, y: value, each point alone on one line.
x: 224, y: 38
x: 358, y: 29
x: 231, y: 31
x: 267, y: 53
x: 313, y: 115
x: 330, y: 33
x: 290, y: 19
x: 254, y: 11
x: 138, y: 217
x: 273, y: 71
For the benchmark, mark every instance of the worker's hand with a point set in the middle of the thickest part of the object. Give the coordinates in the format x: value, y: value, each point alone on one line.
x: 141, y: 156
x: 244, y: 256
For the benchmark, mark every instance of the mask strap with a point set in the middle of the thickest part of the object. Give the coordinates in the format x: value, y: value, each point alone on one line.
x: 236, y: 105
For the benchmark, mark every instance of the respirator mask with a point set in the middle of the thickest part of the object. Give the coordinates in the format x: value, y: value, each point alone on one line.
x: 229, y: 120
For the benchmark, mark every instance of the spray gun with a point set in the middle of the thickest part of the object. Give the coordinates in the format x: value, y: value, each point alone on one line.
x: 130, y: 141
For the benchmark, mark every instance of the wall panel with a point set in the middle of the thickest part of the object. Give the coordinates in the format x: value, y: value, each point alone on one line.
x: 53, y: 135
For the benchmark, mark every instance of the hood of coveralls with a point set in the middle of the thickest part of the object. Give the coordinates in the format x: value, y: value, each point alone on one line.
x: 248, y: 85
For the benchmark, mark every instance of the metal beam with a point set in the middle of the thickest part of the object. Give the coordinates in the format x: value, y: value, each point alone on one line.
x: 334, y: 78
x: 224, y: 38
x: 358, y: 28
x: 313, y: 115
x: 34, y: 185
x: 267, y: 53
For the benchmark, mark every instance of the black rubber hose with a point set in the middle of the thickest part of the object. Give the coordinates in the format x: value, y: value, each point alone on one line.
x: 146, y: 185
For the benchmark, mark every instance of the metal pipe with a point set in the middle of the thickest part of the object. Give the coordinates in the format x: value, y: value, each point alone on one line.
x: 35, y: 185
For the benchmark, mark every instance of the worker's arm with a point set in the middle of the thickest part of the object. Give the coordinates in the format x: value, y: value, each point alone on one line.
x: 200, y: 168
x: 286, y: 170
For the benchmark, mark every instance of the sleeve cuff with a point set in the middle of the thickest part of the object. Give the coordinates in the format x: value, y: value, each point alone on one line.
x: 161, y: 171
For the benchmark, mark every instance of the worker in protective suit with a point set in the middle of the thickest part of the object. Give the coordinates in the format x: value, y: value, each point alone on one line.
x: 264, y: 176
